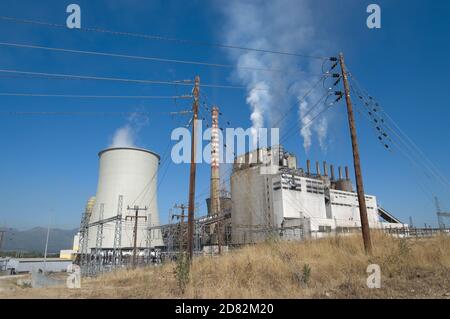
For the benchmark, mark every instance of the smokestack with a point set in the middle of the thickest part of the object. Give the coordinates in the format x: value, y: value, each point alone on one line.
x: 332, y: 172
x: 340, y: 172
x: 317, y: 168
x: 215, y: 178
x: 346, y: 173
x: 325, y: 169
x: 308, y: 167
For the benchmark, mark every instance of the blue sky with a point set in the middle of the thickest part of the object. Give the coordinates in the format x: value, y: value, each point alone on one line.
x: 49, y: 163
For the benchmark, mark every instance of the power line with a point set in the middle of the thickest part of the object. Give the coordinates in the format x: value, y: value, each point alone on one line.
x: 19, y: 113
x: 114, y: 79
x: 145, y: 58
x: 407, y: 141
x: 293, y: 129
x: 162, y: 38
x: 308, y: 123
x: 96, y: 96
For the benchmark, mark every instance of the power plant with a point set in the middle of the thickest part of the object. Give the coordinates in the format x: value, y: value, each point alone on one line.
x: 117, y: 219
x: 272, y: 196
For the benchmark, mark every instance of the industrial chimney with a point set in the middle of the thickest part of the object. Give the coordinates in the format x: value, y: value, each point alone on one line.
x: 215, y: 179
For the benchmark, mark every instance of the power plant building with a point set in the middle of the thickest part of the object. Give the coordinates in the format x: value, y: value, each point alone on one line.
x: 270, y: 194
x: 127, y: 179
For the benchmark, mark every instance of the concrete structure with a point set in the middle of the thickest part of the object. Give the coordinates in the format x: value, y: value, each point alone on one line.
x: 215, y: 178
x: 270, y: 195
x: 68, y: 254
x: 132, y: 174
x: 26, y: 265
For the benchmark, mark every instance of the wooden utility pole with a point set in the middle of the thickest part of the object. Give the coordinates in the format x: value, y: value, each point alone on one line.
x: 356, y: 161
x: 191, y: 208
x: 135, y: 217
x: 2, y: 236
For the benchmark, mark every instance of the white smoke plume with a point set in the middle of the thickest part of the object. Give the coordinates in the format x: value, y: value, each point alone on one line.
x: 125, y: 136
x: 283, y: 25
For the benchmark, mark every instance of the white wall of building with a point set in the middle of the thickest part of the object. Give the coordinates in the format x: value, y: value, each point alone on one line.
x: 132, y: 173
x: 264, y: 201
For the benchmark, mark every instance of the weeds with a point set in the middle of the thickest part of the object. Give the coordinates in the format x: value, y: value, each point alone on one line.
x: 182, y: 271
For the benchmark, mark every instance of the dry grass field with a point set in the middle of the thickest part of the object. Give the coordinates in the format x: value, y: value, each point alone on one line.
x: 327, y: 268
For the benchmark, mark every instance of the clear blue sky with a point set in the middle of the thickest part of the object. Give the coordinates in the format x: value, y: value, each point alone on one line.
x: 49, y: 162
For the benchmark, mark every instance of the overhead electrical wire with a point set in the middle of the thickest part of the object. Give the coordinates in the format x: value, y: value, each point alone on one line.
x: 114, y: 79
x: 288, y: 135
x: 407, y: 141
x: 143, y: 97
x: 161, y: 38
x: 24, y: 113
x: 145, y: 58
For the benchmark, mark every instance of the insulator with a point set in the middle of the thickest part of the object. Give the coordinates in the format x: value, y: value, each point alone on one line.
x: 370, y: 98
x: 380, y: 138
x: 382, y: 121
x: 385, y: 135
x: 360, y: 97
x: 378, y: 128
x: 367, y: 104
x: 220, y: 113
x: 221, y: 129
x: 370, y: 113
x: 336, y: 75
x: 375, y: 110
x: 375, y: 120
x: 333, y: 59
x: 228, y: 123
x: 225, y: 145
x: 333, y: 66
x: 385, y: 145
x: 338, y: 93
x: 337, y: 82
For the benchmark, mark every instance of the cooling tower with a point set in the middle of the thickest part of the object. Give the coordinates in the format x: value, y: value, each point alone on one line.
x: 132, y: 174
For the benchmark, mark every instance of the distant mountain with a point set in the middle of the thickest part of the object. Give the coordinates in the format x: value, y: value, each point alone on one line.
x: 33, y: 240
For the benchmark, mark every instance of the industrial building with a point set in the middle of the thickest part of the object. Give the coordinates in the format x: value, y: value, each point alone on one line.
x: 117, y: 219
x: 272, y: 196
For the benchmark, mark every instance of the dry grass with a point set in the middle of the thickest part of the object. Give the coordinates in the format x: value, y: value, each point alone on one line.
x: 409, y: 268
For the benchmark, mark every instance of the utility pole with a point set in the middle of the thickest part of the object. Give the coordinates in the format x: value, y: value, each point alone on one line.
x: 356, y: 161
x: 2, y: 236
x: 46, y: 247
x: 191, y: 208
x: 135, y: 217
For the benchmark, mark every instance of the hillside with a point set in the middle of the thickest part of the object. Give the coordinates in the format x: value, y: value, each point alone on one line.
x: 329, y: 268
x: 33, y: 240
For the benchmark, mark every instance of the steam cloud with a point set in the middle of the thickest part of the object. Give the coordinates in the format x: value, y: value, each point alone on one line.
x: 125, y: 136
x: 284, y: 25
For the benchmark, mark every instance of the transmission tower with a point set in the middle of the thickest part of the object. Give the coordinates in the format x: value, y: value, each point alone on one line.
x: 440, y: 214
x: 117, y: 246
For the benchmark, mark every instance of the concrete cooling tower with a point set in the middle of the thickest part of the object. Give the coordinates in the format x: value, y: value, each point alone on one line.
x: 132, y: 174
